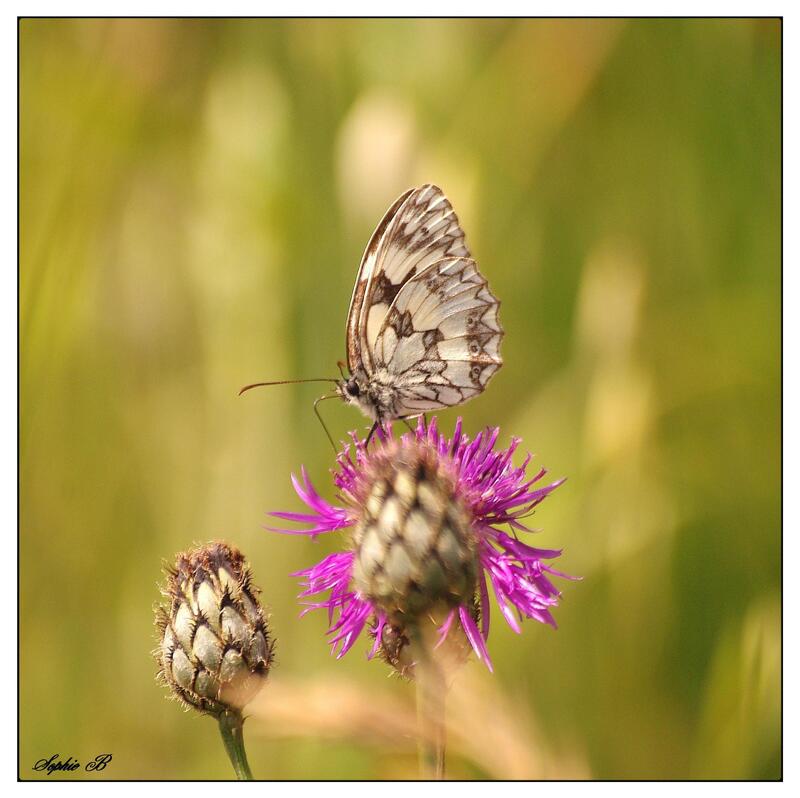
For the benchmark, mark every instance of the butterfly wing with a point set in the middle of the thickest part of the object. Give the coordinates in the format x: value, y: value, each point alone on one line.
x: 368, y: 260
x: 440, y: 340
x: 419, y: 229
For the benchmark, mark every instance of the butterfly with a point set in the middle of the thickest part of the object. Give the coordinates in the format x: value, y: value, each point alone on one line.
x: 422, y: 331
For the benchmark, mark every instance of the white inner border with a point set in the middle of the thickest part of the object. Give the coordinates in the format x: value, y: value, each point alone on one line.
x: 8, y: 353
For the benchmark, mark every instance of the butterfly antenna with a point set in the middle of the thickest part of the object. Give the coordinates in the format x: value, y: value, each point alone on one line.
x: 287, y: 382
x: 316, y: 410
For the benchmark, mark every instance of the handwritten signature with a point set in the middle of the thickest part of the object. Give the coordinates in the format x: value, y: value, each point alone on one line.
x: 55, y: 763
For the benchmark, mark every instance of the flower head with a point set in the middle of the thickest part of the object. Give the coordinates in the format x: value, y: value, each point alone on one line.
x: 427, y: 516
x: 214, y: 649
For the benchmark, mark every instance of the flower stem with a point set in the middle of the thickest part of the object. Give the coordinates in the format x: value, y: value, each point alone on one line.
x: 230, y: 727
x: 431, y: 690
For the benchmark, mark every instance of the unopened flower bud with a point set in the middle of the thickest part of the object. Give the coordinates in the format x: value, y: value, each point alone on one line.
x: 214, y: 647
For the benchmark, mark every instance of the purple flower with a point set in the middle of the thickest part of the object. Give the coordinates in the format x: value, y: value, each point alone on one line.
x: 481, y: 492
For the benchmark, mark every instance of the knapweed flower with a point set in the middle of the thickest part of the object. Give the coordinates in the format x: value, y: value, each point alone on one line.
x: 433, y: 526
x: 214, y: 648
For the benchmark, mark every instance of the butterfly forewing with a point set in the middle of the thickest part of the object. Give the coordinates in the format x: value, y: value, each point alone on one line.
x: 419, y: 229
x: 355, y: 354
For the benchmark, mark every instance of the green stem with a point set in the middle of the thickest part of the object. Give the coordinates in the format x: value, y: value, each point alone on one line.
x: 431, y: 690
x: 230, y: 727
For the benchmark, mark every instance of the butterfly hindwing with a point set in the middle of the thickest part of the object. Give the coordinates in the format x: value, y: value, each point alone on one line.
x: 419, y: 229
x: 439, y: 343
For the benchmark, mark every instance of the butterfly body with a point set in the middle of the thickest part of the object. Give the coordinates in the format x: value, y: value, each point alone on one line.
x: 374, y: 397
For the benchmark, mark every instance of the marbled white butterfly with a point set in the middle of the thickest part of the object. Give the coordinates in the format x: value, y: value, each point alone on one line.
x: 422, y: 330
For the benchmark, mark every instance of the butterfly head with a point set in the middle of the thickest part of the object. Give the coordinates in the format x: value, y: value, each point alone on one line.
x: 350, y: 389
x: 355, y: 391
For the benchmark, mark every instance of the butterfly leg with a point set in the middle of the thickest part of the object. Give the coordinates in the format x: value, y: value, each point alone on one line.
x: 371, y: 433
x: 407, y: 423
x: 316, y: 411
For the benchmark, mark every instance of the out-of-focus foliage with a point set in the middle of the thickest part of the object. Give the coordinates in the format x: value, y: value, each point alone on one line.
x: 195, y: 198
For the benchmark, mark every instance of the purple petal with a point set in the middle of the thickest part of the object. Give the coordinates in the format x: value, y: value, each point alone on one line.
x: 474, y: 637
x: 444, y: 629
x: 381, y: 622
x: 484, y: 605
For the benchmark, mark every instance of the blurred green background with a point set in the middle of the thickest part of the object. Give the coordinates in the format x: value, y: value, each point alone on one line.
x: 195, y: 198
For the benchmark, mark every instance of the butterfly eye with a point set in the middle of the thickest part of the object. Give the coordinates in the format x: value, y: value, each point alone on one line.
x: 352, y: 389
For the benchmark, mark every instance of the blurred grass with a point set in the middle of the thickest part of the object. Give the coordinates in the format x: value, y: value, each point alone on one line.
x: 195, y: 197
